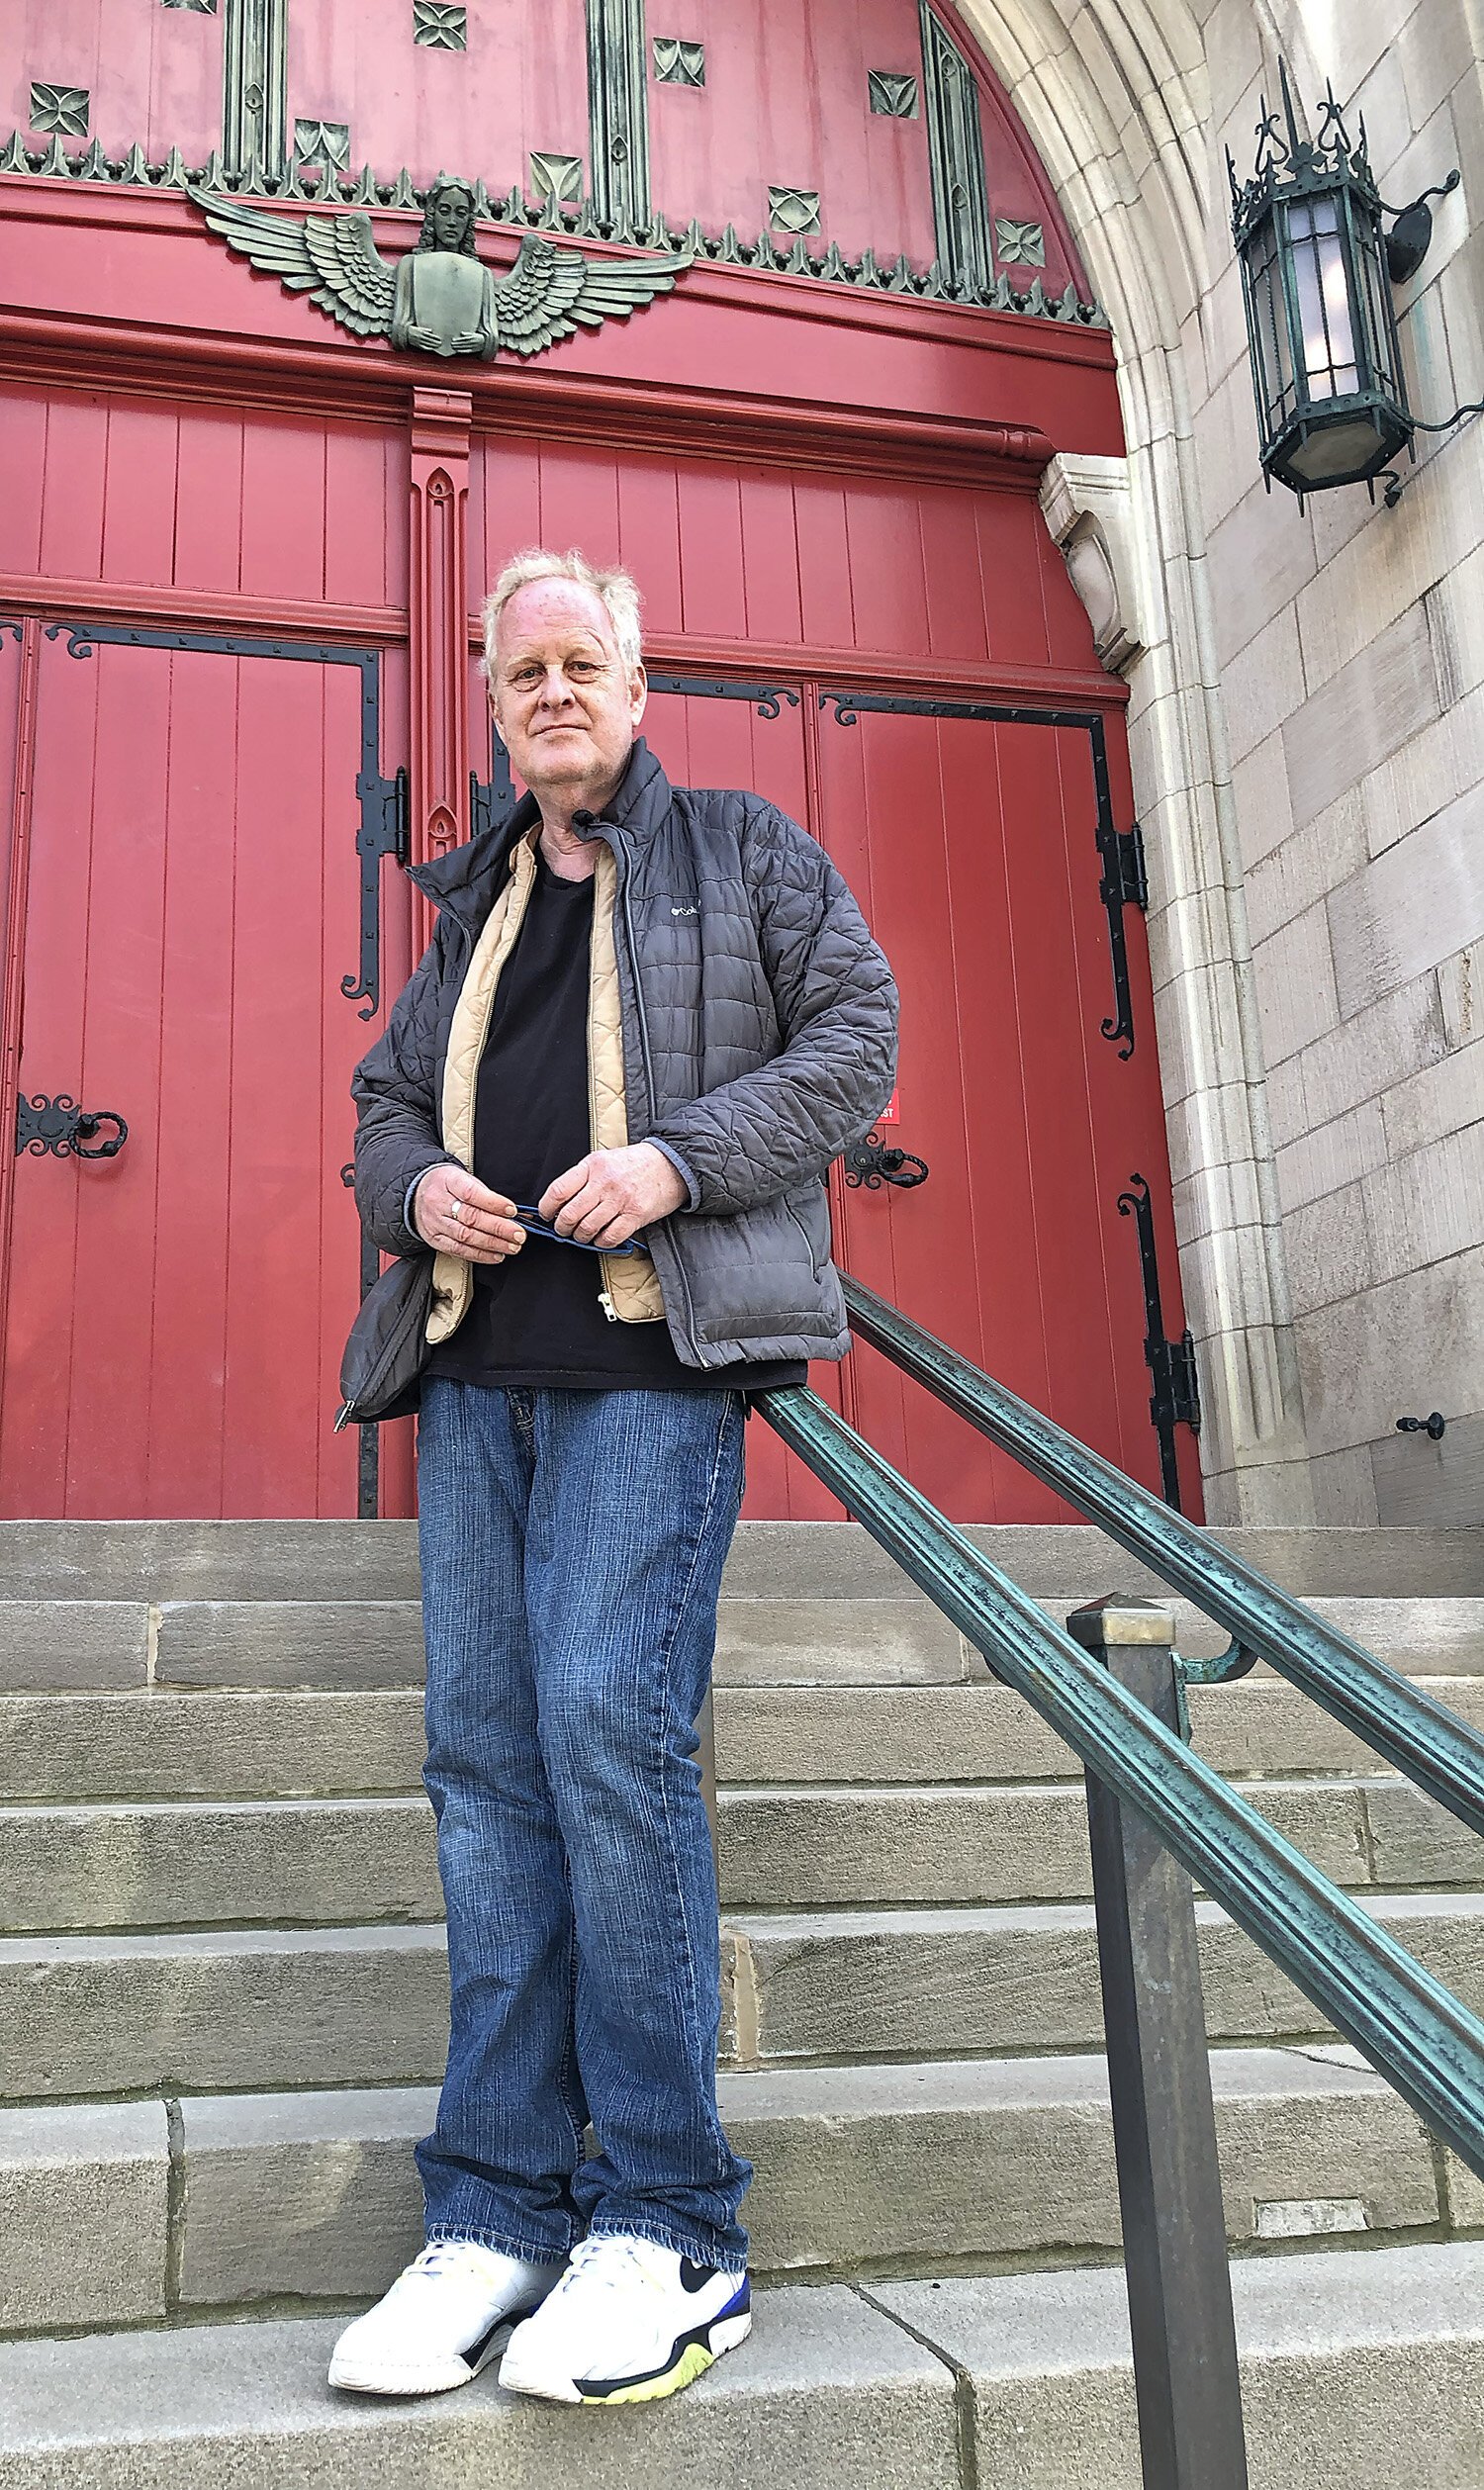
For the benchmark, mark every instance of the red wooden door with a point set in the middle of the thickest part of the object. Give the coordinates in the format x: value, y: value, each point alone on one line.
x: 193, y: 922
x: 973, y: 844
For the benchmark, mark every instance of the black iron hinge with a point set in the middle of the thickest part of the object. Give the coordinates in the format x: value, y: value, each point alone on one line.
x: 385, y: 831
x: 1176, y: 1398
x: 1125, y: 876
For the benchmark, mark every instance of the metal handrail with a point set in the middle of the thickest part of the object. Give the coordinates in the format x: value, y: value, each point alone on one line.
x: 1436, y: 1750
x: 1411, y: 2029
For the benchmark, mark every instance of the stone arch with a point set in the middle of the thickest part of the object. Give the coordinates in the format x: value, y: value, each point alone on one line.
x: 1116, y: 96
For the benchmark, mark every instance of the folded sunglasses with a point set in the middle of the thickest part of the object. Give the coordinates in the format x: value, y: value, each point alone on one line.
x: 531, y: 1219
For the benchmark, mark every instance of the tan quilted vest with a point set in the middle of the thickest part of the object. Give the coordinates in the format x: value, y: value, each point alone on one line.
x: 630, y: 1287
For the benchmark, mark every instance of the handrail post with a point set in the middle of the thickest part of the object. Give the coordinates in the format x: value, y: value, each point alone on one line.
x: 1174, y: 2243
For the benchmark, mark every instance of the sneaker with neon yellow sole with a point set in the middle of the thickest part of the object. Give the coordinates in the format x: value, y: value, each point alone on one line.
x: 628, y: 2322
x: 441, y: 2321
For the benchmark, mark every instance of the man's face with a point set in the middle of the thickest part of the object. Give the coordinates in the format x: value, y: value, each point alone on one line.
x: 562, y: 701
x: 450, y: 218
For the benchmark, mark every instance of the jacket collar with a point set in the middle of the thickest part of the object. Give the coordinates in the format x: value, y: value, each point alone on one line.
x: 467, y: 880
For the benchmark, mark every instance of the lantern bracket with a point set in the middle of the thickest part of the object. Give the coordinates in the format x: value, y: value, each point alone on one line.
x: 1411, y: 237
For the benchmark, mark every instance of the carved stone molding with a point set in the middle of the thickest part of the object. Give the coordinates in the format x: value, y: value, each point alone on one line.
x: 438, y: 623
x: 255, y: 85
x: 955, y: 153
x: 1089, y: 510
x: 618, y: 114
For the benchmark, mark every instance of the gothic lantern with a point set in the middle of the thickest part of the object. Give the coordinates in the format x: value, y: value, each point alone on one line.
x: 1332, y: 402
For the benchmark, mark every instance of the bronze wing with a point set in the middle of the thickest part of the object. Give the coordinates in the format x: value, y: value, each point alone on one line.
x: 551, y: 293
x: 333, y: 259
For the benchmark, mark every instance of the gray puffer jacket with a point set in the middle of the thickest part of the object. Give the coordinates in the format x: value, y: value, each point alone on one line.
x: 759, y: 1037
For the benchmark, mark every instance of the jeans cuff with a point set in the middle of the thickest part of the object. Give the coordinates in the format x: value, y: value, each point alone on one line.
x: 504, y: 2241
x: 701, y: 2252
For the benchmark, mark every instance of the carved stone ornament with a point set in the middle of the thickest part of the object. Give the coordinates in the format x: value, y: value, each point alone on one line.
x: 64, y: 108
x: 1088, y: 508
x: 792, y: 210
x: 440, y: 26
x: 1018, y: 244
x: 439, y: 298
x: 892, y: 92
x: 679, y: 63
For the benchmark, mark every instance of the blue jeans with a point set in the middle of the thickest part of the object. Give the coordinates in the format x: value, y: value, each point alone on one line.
x: 572, y: 1550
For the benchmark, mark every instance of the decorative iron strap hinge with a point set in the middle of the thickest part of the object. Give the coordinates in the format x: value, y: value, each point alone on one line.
x: 1124, y: 880
x: 1175, y: 1400
x: 385, y: 831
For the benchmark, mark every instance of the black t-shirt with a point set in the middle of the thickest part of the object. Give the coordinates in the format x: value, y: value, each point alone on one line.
x: 536, y: 1319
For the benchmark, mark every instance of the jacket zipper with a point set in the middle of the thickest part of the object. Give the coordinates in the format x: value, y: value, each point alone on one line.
x: 622, y: 848
x: 634, y: 969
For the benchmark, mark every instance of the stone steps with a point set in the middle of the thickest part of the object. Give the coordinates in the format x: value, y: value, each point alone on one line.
x: 1352, y: 2367
x: 231, y: 2009
x: 208, y: 2204
x: 155, y: 1864
x: 158, y: 1742
x: 348, y: 1644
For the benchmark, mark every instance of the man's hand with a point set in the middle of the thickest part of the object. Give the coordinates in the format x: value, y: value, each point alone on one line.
x: 611, y: 1193
x: 456, y: 1214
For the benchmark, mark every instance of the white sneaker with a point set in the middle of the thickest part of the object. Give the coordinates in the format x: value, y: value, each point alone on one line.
x: 629, y: 2321
x: 437, y: 2324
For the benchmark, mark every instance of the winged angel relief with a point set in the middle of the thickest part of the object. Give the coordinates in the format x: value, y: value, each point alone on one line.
x: 439, y: 297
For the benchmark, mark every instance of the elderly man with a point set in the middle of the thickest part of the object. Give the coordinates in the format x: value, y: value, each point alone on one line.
x: 656, y: 1015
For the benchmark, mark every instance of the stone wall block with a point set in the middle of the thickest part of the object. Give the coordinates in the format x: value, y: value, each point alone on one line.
x: 1264, y: 806
x: 1434, y: 50
x: 1460, y: 993
x: 1306, y: 866
x: 1350, y: 726
x: 1295, y: 984
x: 1263, y: 687
x: 1427, y: 1206
x: 1334, y: 1155
x: 1406, y: 910
x: 1330, y: 1257
x: 1393, y: 1351
x: 1374, y: 1050
x: 1261, y: 555
x: 1445, y: 1097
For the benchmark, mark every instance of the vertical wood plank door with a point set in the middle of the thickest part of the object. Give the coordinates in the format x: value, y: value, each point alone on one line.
x: 176, y: 1312
x: 971, y: 845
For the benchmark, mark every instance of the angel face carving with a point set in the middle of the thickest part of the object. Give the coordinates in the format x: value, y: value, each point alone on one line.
x: 439, y: 298
x: 444, y: 301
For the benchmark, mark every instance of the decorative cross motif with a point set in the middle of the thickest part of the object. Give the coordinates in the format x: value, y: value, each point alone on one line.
x: 893, y: 92
x: 795, y: 211
x: 440, y: 26
x: 1017, y: 244
x: 678, y: 64
x: 323, y: 142
x: 64, y: 108
x: 557, y: 176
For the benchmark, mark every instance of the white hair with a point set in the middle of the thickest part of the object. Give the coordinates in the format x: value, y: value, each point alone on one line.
x: 617, y: 592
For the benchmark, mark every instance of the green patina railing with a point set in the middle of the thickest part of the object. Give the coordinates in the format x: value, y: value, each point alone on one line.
x: 1416, y: 2034
x: 1436, y: 1750
x: 1116, y: 1698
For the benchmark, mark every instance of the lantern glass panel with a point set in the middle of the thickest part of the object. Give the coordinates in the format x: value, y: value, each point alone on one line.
x: 1377, y: 318
x: 1322, y: 287
x: 1271, y: 328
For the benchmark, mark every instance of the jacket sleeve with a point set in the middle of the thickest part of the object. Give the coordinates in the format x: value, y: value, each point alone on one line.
x: 779, y: 1126
x: 397, y: 1135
